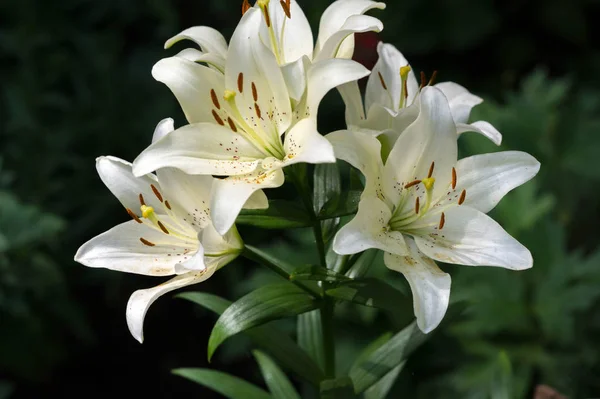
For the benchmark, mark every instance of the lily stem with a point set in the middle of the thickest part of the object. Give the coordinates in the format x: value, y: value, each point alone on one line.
x: 328, y: 340
x: 258, y: 256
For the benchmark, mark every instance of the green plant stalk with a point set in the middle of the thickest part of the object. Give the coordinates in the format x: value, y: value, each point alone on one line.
x: 328, y: 341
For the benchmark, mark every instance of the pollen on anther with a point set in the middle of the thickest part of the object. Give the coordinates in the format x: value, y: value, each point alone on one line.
x: 162, y: 227
x: 442, y: 221
x: 431, y: 170
x: 453, y: 178
x: 462, y: 198
x: 405, y: 89
x: 433, y: 76
x: 382, y: 81
x: 286, y: 7
x: 134, y: 216
x: 417, y: 205
x: 423, y: 80
x: 245, y: 6
x: 146, y: 242
x: 257, y: 109
x: 218, y: 118
x: 265, y: 9
x: 168, y: 205
x: 156, y: 192
x: 254, y: 92
x: 142, y: 199
x: 412, y: 183
x: 240, y: 82
x: 231, y: 124
x: 215, y: 100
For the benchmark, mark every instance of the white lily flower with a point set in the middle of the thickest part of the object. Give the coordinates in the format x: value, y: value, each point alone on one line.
x: 242, y: 124
x: 422, y: 205
x: 390, y: 100
x: 171, y: 232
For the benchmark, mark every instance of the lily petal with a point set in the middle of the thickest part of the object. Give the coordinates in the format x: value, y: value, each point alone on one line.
x: 191, y: 83
x: 121, y: 249
x: 431, y: 139
x: 294, y: 74
x: 489, y: 177
x: 368, y: 230
x: 201, y: 148
x: 341, y: 43
x: 249, y: 58
x: 355, y: 111
x: 118, y: 177
x: 229, y: 195
x: 460, y: 99
x: 384, y: 86
x: 293, y: 35
x: 482, y: 127
x: 140, y: 300
x: 430, y: 286
x: 163, y: 128
x: 210, y: 40
x: 258, y: 200
x: 303, y: 143
x: 335, y: 16
x: 211, y: 59
x: 470, y: 237
x: 361, y: 151
x: 327, y: 74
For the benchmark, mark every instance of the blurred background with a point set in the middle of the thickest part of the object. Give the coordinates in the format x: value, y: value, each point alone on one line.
x: 76, y: 83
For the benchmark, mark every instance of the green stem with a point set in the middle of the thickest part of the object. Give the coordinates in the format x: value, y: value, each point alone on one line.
x: 258, y: 256
x: 328, y: 340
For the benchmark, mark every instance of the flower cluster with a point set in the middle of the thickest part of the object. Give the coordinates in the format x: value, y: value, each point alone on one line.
x: 251, y: 108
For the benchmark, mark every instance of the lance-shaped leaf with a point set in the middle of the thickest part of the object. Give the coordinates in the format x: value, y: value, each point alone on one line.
x: 370, y: 369
x: 265, y: 304
x: 369, y: 292
x: 344, y: 205
x: 278, y: 344
x: 223, y: 383
x: 278, y: 383
x: 327, y: 187
x: 382, y: 387
x: 279, y: 215
x: 340, y: 388
x: 318, y: 273
x: 310, y: 335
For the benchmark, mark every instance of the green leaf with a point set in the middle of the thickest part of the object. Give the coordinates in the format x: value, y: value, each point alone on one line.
x: 267, y: 303
x: 346, y: 204
x: 279, y: 215
x: 381, y: 388
x: 310, y: 335
x: 362, y: 264
x: 317, y: 273
x: 369, y: 292
x: 391, y: 354
x: 279, y: 345
x: 260, y: 256
x: 223, y: 383
x: 327, y: 187
x: 278, y: 383
x: 340, y: 388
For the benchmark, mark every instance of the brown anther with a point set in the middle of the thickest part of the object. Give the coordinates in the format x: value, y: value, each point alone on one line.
x: 168, y: 205
x: 142, y: 200
x: 453, y: 178
x: 382, y: 81
x: 432, y: 79
x: 423, y: 80
x: 156, y: 192
x: 462, y: 197
x: 412, y: 183
x: 218, y: 118
x: 257, y: 109
x: 134, y: 216
x: 162, y: 227
x: 442, y: 221
x: 214, y: 98
x: 231, y: 124
x: 286, y: 7
x: 240, y: 82
x: 254, y: 92
x: 405, y: 84
x: 417, y: 206
x: 245, y: 6
x: 146, y: 242
x: 267, y: 17
x: 431, y: 170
